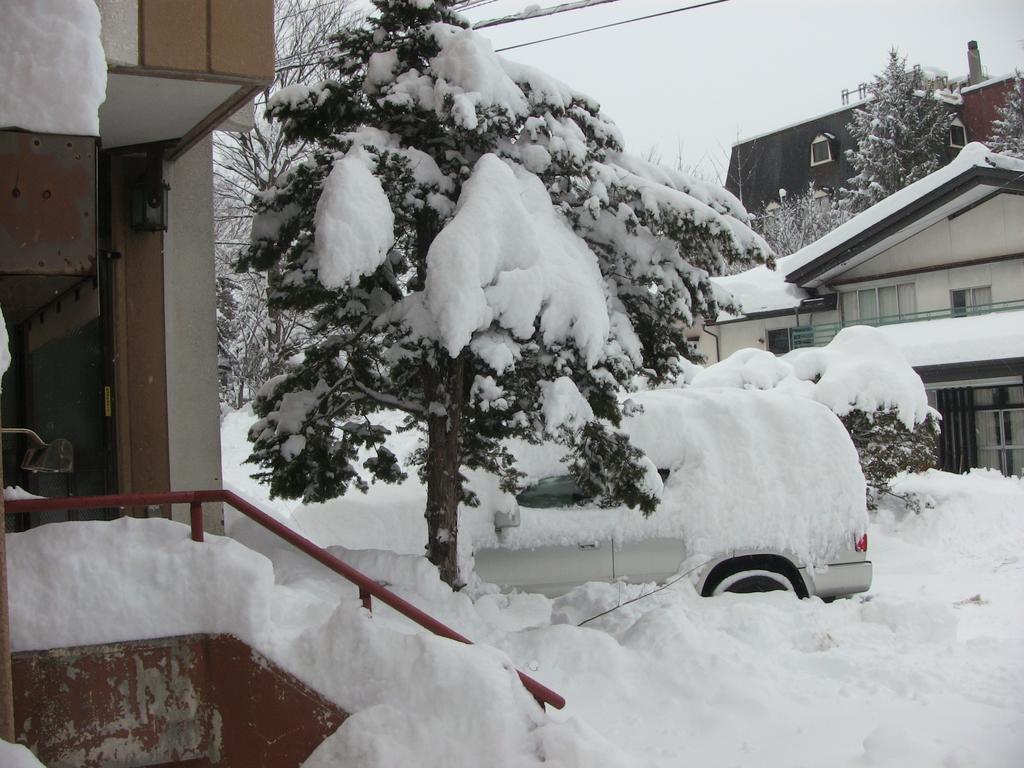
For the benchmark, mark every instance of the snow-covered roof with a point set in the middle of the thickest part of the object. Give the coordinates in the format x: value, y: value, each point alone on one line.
x: 819, y: 255
x: 760, y: 290
x: 987, y: 83
x: 954, y: 340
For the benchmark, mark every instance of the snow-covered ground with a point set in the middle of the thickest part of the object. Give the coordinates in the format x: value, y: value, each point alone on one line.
x: 927, y: 669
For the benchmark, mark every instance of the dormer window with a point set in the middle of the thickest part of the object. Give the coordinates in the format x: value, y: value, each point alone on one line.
x: 957, y: 134
x: 821, y: 149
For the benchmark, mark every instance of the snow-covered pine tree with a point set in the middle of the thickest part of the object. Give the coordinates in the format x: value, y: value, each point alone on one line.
x: 900, y: 134
x: 480, y: 254
x: 1008, y: 128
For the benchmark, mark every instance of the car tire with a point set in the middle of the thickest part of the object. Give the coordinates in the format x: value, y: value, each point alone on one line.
x: 754, y: 574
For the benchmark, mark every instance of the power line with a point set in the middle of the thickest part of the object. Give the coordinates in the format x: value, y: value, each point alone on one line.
x: 613, y: 24
x: 538, y: 13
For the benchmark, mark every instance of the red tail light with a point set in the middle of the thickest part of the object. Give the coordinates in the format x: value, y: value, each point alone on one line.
x: 862, y: 544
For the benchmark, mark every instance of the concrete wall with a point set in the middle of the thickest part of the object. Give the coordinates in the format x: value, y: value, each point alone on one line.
x: 190, y: 323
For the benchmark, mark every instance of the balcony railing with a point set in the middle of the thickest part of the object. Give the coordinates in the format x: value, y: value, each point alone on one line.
x: 819, y: 335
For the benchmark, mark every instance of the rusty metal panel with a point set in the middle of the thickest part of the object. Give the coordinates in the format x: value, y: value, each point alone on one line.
x: 195, y: 700
x: 47, y: 204
x: 117, y: 705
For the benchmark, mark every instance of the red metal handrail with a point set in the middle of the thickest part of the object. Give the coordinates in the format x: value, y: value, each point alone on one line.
x: 368, y: 588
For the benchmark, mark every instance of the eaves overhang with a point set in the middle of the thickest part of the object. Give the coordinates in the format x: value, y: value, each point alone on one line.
x: 959, y: 194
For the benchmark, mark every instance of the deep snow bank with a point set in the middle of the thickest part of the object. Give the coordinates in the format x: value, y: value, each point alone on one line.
x: 410, y: 694
x: 959, y: 513
x: 17, y: 756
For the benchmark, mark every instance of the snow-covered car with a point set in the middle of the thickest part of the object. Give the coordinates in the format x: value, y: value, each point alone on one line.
x: 761, y: 491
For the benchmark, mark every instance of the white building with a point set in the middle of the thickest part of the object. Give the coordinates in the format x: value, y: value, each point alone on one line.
x: 940, y: 267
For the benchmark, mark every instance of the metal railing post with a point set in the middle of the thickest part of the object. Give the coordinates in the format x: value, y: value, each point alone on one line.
x: 196, y: 510
x: 366, y: 598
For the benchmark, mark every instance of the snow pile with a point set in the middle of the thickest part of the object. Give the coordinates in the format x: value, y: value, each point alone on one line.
x: 5, y: 352
x: 760, y: 290
x: 508, y: 258
x: 55, y: 72
x: 207, y: 598
x: 408, y: 694
x: 936, y: 647
x: 708, y: 439
x: 355, y: 227
x: 17, y: 756
x: 959, y: 512
x: 860, y: 369
x: 17, y: 493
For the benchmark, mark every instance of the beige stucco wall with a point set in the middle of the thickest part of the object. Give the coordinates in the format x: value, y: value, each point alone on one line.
x: 754, y: 333
x: 932, y: 288
x: 120, y: 31
x: 191, y: 328
x: 994, y: 228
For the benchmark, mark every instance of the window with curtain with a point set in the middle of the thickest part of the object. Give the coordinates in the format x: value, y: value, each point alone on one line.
x: 999, y: 428
x: 871, y: 304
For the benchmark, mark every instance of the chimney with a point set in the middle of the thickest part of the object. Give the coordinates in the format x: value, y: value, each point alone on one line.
x: 974, y: 62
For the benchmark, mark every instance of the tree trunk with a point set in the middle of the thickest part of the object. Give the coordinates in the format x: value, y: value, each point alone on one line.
x: 443, y: 378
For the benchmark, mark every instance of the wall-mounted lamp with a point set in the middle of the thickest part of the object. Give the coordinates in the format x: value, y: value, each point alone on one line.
x: 149, y: 197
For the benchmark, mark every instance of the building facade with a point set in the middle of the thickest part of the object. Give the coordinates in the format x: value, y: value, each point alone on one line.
x: 813, y: 152
x: 939, y: 267
x: 106, y: 254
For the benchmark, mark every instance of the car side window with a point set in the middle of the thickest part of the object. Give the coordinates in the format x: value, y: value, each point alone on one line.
x: 560, y: 491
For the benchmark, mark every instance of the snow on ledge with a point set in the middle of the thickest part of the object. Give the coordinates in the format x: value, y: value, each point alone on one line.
x: 54, y: 68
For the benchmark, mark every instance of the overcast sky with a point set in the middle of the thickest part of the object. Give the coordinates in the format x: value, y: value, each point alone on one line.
x: 697, y: 80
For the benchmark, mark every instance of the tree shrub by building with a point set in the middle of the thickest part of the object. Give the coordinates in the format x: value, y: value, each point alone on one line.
x: 886, y: 447
x: 1008, y: 128
x: 900, y: 134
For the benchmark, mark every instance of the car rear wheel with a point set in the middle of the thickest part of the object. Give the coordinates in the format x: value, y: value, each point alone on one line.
x: 753, y: 581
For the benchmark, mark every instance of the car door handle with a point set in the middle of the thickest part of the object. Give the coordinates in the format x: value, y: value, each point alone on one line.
x: 590, y: 545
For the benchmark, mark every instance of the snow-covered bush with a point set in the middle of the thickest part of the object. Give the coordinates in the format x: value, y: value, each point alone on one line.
x: 887, y: 447
x: 478, y: 251
x: 865, y: 381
